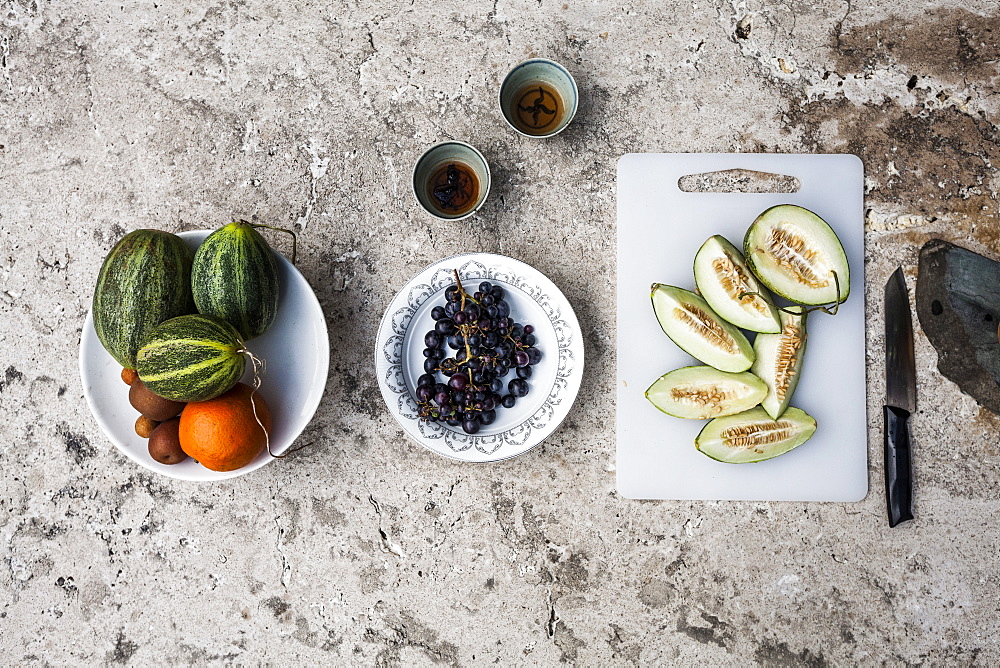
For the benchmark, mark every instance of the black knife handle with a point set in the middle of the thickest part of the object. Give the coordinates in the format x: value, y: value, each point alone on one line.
x: 898, y: 482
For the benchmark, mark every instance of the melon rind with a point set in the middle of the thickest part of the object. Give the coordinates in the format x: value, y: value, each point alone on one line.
x: 235, y: 277
x: 191, y: 358
x: 144, y: 280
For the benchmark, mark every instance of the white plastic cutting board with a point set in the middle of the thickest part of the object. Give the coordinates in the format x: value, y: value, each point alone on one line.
x: 660, y: 228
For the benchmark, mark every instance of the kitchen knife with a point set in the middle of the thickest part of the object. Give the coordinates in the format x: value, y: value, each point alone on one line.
x: 900, y: 399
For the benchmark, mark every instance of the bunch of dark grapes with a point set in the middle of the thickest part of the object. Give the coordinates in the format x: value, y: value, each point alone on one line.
x: 474, y: 346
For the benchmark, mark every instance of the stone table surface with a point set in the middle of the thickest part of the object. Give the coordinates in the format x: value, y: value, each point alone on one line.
x: 365, y: 548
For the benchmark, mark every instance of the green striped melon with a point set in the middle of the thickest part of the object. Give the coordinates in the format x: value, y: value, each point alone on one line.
x: 235, y: 277
x: 145, y: 279
x: 191, y: 358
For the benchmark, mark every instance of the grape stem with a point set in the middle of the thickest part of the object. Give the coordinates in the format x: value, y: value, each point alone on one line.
x: 465, y: 295
x: 461, y: 290
x: 468, y: 350
x: 464, y: 328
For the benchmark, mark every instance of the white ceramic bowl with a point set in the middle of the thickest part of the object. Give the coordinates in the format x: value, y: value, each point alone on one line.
x: 297, y: 352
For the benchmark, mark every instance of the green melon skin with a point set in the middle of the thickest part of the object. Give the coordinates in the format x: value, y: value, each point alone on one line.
x: 191, y: 358
x: 676, y: 309
x: 801, y: 273
x: 235, y: 277
x: 716, y: 439
x: 145, y: 279
x: 704, y: 392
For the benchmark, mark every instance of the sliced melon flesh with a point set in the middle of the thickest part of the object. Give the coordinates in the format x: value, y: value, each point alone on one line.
x: 779, y: 361
x: 795, y: 253
x: 704, y: 392
x: 692, y: 324
x: 729, y: 287
x: 752, y: 436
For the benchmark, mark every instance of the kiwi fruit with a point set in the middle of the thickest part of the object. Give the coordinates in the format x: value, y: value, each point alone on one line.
x: 165, y: 443
x: 151, y: 405
x: 144, y: 426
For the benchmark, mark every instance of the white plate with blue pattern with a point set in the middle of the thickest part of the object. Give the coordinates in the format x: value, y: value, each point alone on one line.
x: 534, y: 300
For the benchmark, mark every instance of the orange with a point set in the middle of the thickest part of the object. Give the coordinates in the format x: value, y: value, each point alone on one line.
x: 222, y: 433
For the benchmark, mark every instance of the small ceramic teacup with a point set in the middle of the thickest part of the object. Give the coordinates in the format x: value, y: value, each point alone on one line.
x: 538, y: 98
x: 451, y: 180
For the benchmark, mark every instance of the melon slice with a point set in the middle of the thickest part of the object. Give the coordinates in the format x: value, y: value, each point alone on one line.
x: 692, y: 324
x: 779, y: 361
x: 704, y: 392
x: 798, y: 256
x: 752, y: 436
x: 731, y: 289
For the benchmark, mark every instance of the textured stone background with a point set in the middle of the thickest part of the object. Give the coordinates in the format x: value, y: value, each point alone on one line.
x: 366, y: 548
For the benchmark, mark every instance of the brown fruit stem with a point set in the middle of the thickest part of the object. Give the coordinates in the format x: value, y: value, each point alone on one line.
x: 825, y: 308
x: 461, y: 290
x: 278, y: 229
x: 260, y: 365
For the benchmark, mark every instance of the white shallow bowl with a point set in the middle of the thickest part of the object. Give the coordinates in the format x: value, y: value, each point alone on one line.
x: 297, y: 352
x: 534, y: 300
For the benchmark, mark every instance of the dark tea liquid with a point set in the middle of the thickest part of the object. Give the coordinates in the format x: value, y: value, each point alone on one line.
x: 538, y: 109
x: 454, y: 188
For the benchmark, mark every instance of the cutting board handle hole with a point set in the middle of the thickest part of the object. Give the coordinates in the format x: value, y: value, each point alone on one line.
x: 738, y: 181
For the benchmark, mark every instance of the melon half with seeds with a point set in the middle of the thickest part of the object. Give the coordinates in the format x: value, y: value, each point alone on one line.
x: 728, y: 285
x: 692, y: 324
x: 704, y: 392
x: 797, y: 255
x: 752, y: 436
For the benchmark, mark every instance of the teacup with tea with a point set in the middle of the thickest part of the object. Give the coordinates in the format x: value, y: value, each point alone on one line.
x: 538, y: 98
x: 451, y: 180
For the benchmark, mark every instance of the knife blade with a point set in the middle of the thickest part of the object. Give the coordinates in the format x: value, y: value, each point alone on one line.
x: 901, y: 399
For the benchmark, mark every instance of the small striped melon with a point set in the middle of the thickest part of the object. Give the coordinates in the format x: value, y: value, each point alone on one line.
x: 191, y: 358
x: 145, y: 279
x: 235, y: 277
